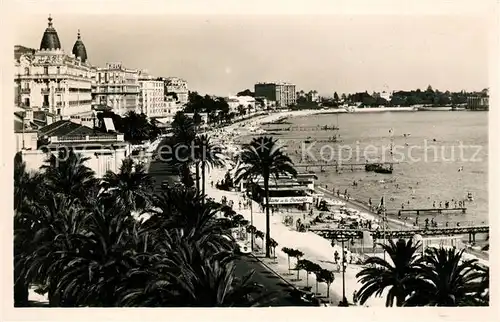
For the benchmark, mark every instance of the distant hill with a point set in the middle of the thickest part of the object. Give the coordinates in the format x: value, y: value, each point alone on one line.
x: 21, y: 50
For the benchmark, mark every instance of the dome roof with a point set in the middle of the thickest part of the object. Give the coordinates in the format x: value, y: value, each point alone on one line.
x: 79, y: 49
x: 50, y: 39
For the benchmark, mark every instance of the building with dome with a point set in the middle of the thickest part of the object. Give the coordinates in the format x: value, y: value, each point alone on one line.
x: 50, y: 80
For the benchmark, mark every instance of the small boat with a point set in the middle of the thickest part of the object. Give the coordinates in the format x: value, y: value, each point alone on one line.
x: 371, y: 166
x: 383, y: 170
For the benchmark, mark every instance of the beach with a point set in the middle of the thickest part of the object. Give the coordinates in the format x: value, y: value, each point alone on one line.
x: 315, y: 247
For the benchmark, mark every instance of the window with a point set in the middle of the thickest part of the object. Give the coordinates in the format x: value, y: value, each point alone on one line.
x: 26, y: 71
x: 46, y: 70
x: 58, y: 70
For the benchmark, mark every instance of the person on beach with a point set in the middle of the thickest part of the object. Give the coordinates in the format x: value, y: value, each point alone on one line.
x: 434, y: 204
x: 440, y: 204
x: 402, y: 205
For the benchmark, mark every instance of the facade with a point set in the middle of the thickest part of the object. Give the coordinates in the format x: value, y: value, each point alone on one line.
x: 313, y: 96
x: 117, y: 87
x: 178, y: 86
x: 105, y: 151
x: 241, y: 103
x: 283, y: 94
x: 152, y: 99
x: 50, y: 80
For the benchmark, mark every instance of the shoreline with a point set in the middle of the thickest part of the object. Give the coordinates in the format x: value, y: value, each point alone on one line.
x: 391, y: 223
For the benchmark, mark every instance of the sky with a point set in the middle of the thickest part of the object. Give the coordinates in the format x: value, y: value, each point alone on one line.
x: 224, y: 54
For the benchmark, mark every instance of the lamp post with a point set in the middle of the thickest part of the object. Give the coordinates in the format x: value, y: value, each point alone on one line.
x: 343, y: 239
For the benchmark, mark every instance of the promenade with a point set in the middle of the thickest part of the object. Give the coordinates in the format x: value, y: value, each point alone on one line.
x: 315, y: 248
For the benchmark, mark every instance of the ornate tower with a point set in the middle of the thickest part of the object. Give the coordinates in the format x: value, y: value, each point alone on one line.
x: 79, y: 49
x: 50, y: 39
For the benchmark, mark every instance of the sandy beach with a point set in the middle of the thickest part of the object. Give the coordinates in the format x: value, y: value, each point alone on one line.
x: 315, y: 247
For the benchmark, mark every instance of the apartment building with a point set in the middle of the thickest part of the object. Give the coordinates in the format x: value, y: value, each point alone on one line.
x: 178, y: 86
x: 283, y: 94
x: 117, y: 87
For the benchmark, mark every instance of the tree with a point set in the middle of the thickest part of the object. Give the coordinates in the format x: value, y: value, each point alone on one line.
x: 399, y: 274
x: 274, y: 244
x: 263, y: 157
x: 336, y: 97
x: 210, y: 156
x: 288, y: 252
x: 260, y: 234
x: 326, y: 276
x: 246, y: 92
x: 306, y: 265
x: 67, y: 174
x: 448, y: 279
x: 252, y: 230
x: 297, y: 254
x: 131, y: 187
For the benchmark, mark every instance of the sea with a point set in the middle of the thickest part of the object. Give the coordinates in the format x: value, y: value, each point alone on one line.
x: 442, y: 155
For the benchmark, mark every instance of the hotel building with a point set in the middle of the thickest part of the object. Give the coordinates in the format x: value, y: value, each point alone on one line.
x: 49, y: 80
x: 117, y: 88
x: 283, y: 94
x: 178, y: 86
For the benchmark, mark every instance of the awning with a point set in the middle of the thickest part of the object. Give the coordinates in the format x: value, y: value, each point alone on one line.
x: 109, y: 125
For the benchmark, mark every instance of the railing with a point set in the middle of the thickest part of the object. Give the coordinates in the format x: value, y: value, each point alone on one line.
x: 45, y: 90
x: 59, y: 89
x: 88, y: 138
x: 58, y: 104
x: 25, y: 90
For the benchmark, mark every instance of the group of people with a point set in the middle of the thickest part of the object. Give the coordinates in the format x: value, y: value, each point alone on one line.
x: 459, y: 203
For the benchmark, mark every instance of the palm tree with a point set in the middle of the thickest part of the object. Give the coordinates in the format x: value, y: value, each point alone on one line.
x: 131, y: 187
x: 51, y: 227
x: 448, y: 279
x: 210, y: 156
x: 67, y: 174
x: 399, y: 274
x: 184, y: 135
x: 263, y: 157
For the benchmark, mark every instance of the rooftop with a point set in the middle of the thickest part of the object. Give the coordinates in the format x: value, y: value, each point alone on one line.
x: 50, y: 39
x: 68, y: 128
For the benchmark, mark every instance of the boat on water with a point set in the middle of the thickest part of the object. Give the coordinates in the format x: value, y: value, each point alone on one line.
x: 434, y: 108
x: 378, y: 168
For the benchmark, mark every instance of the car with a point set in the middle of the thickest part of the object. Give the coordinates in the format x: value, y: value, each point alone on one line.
x: 243, y: 248
x: 165, y: 184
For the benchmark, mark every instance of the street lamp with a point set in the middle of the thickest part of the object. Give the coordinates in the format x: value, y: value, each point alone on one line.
x: 342, y: 239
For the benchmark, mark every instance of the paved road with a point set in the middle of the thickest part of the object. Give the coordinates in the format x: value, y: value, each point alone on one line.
x: 161, y: 171
x: 281, y: 290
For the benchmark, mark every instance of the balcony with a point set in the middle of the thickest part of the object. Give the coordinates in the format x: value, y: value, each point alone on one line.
x: 59, y: 89
x: 45, y: 90
x: 59, y: 104
x: 25, y: 90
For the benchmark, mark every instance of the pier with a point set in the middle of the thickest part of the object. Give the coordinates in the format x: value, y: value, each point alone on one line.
x: 310, y: 128
x: 428, y: 210
x: 335, y: 233
x: 351, y: 166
